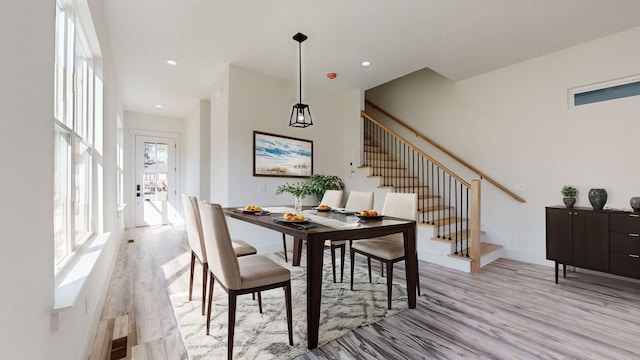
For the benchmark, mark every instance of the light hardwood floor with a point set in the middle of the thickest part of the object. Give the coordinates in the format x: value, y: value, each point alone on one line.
x: 511, y: 310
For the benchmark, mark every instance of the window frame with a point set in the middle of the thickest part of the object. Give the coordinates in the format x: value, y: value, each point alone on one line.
x: 74, y: 116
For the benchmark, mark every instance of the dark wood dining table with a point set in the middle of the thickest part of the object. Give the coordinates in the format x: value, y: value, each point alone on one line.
x: 315, y: 238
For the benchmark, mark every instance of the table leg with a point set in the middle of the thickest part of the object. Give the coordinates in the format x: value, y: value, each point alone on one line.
x: 315, y: 252
x: 297, y: 252
x: 411, y: 264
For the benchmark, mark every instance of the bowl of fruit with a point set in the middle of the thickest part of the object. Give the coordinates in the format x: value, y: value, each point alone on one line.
x: 323, y: 207
x: 369, y: 215
x: 252, y: 209
x: 293, y: 218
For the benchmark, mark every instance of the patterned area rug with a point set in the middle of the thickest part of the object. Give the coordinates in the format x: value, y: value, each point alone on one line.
x: 264, y: 336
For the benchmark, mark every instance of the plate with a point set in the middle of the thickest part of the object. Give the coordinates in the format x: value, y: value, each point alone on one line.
x: 327, y: 209
x: 284, y: 221
x: 377, y: 217
x: 294, y: 221
x: 251, y: 211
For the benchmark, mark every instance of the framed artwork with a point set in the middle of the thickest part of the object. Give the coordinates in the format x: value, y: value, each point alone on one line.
x: 281, y: 156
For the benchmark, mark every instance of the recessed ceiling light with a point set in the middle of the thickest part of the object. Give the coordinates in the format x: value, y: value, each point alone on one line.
x: 366, y: 63
x: 172, y: 62
x: 158, y: 106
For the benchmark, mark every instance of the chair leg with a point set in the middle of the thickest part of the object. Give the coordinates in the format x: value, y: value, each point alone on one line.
x: 205, y: 272
x: 287, y: 298
x: 333, y: 261
x: 369, y: 266
x: 193, y: 264
x: 232, y: 324
x: 389, y: 283
x: 417, y: 276
x: 284, y: 245
x: 260, y: 301
x: 381, y: 269
x: 353, y: 256
x: 342, y: 248
x: 211, y: 281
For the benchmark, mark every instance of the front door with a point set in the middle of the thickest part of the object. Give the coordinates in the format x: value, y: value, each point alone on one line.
x: 155, y: 187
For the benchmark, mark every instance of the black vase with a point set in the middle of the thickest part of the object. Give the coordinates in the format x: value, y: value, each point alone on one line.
x: 597, y: 198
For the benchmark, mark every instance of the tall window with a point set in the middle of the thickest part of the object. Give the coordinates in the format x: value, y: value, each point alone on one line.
x: 74, y: 121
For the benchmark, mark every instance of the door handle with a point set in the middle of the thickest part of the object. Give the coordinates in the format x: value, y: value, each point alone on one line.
x: 634, y: 256
x: 634, y: 235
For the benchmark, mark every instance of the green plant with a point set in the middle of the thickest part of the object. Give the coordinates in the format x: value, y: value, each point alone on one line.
x: 316, y: 185
x: 320, y: 183
x: 299, y: 190
x: 569, y: 191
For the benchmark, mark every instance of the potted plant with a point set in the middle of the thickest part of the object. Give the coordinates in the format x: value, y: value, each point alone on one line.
x: 320, y: 183
x: 569, y: 193
x: 316, y: 185
x: 299, y: 191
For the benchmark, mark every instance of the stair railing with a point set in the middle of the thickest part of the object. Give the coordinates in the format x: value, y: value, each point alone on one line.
x: 449, y: 153
x: 445, y: 200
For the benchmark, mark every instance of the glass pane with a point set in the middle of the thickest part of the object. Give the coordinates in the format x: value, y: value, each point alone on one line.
x: 83, y: 191
x: 61, y: 198
x: 155, y: 171
x: 609, y: 93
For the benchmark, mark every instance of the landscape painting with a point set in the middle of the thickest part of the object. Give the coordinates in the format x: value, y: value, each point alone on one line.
x: 283, y: 156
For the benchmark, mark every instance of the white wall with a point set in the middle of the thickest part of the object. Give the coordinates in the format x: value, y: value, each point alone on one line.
x: 244, y: 101
x: 515, y: 125
x: 196, y: 156
x: 30, y: 330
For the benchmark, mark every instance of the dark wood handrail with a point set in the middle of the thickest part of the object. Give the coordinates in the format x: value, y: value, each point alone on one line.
x: 449, y: 153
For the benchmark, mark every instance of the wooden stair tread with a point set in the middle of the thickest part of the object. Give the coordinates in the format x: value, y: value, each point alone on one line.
x: 434, y: 208
x: 444, y: 221
x: 393, y: 176
x: 403, y: 186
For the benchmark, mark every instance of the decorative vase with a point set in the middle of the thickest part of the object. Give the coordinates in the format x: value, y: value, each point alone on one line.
x: 635, y: 203
x: 597, y: 198
x: 569, y: 201
x: 298, y: 203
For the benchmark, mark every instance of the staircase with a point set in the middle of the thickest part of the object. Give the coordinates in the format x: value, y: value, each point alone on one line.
x: 448, y: 206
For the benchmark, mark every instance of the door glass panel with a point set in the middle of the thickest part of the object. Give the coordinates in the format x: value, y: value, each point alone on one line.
x: 155, y: 171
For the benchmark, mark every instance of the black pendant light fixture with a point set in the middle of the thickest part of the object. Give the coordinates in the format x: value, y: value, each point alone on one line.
x: 300, y: 113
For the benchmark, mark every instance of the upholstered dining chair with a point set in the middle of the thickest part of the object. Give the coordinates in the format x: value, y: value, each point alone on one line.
x: 196, y: 243
x: 388, y: 249
x: 358, y: 200
x: 238, y: 275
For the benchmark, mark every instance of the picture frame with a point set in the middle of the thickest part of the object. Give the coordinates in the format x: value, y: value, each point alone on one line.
x: 281, y: 156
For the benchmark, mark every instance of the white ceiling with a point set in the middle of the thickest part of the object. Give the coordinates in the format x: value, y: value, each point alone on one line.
x: 456, y: 38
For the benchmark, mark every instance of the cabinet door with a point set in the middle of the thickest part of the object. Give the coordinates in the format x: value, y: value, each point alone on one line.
x: 559, y: 235
x: 591, y: 240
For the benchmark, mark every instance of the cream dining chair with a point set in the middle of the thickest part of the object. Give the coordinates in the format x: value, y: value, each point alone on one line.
x: 388, y: 249
x: 238, y: 275
x: 333, y: 198
x: 196, y: 243
x: 358, y: 200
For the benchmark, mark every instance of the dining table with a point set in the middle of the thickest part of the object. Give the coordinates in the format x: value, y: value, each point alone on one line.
x: 331, y: 225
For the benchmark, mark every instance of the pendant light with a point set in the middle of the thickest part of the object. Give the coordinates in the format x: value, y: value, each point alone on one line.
x: 300, y: 113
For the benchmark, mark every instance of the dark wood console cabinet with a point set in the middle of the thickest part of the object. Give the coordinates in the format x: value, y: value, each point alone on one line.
x: 600, y: 240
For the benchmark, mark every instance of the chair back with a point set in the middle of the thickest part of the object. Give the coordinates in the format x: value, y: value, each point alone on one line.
x: 194, y: 226
x: 223, y: 262
x: 332, y: 198
x: 360, y: 200
x: 400, y: 205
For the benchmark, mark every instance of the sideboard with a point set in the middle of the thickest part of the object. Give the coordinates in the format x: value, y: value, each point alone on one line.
x: 601, y: 240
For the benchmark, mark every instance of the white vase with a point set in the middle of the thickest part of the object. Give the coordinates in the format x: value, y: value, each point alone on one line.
x: 298, y: 203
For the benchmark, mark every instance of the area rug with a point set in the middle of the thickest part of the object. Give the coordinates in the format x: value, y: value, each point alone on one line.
x: 264, y: 336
